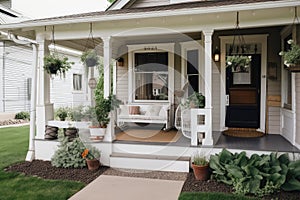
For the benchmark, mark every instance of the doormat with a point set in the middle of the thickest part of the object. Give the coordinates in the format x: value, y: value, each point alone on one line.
x: 243, y: 132
x: 148, y: 135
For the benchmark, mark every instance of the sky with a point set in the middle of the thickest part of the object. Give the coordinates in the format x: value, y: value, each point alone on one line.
x: 51, y: 8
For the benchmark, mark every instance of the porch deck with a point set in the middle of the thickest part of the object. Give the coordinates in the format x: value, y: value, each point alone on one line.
x: 269, y: 142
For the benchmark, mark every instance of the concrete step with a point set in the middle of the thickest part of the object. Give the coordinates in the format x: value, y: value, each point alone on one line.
x: 150, y: 162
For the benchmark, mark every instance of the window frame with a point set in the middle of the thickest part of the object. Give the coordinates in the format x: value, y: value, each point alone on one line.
x: 81, y: 84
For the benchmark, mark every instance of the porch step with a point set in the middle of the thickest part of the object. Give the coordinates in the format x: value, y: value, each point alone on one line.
x: 150, y: 162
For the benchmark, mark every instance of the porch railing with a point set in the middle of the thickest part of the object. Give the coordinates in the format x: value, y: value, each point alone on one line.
x: 201, y: 126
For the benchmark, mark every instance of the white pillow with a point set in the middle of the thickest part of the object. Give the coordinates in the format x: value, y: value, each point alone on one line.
x: 124, y: 110
x: 153, y: 110
x: 162, y: 112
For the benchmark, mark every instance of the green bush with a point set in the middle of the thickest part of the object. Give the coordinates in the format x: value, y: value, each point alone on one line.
x: 259, y: 175
x: 22, y: 115
x: 68, y: 155
x: 62, y: 113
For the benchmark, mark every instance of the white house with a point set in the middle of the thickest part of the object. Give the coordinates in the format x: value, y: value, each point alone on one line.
x: 16, y: 73
x: 175, y: 41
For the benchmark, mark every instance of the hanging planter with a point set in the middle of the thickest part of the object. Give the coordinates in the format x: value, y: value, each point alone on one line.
x: 55, y: 65
x: 238, y: 63
x: 90, y: 58
x: 292, y: 57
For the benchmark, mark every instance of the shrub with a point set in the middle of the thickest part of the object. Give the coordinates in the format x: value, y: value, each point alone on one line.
x: 22, y: 115
x: 259, y: 175
x: 68, y: 155
x: 62, y: 113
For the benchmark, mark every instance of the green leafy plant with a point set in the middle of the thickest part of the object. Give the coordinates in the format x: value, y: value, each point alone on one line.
x: 196, y: 100
x: 62, y: 113
x: 90, y: 58
x: 259, y: 175
x: 199, y: 160
x: 22, y: 115
x: 55, y: 64
x: 103, y: 108
x: 77, y: 113
x: 68, y: 154
x: 91, y: 153
x: 238, y: 63
x: 292, y: 56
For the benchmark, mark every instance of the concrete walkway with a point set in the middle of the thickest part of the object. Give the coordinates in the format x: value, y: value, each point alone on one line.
x: 128, y: 188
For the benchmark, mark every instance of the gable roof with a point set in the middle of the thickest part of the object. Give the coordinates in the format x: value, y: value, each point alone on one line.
x: 200, y: 7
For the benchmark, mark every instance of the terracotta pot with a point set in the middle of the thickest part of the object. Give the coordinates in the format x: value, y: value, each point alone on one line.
x: 93, y: 164
x: 201, y: 172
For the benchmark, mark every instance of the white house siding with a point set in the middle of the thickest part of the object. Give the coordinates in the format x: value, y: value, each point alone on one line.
x: 61, y: 89
x: 122, y: 81
x: 216, y: 91
x: 297, y: 88
x: 15, y: 62
x: 273, y: 124
x: 148, y: 3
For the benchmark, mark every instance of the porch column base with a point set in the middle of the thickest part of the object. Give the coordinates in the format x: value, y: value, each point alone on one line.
x: 30, y: 155
x: 44, y: 114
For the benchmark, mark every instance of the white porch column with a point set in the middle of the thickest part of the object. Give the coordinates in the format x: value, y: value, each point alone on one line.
x: 107, y: 54
x: 208, y: 140
x: 44, y: 108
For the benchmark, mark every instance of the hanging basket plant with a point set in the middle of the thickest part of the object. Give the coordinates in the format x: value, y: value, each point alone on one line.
x: 238, y: 63
x: 56, y: 65
x: 292, y: 57
x: 90, y: 58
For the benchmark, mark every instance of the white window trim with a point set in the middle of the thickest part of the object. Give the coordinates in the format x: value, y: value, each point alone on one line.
x: 146, y: 48
x: 185, y: 47
x: 262, y: 39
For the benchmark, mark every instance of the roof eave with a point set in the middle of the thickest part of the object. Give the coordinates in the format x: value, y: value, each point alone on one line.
x: 139, y: 15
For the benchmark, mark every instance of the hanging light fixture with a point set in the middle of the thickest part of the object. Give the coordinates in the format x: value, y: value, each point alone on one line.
x: 120, y: 62
x: 217, y: 55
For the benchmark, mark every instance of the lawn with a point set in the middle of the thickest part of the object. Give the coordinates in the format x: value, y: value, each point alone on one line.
x: 13, y: 149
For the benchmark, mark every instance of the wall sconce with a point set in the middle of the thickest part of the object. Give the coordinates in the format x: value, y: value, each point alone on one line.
x: 217, y: 55
x: 120, y: 62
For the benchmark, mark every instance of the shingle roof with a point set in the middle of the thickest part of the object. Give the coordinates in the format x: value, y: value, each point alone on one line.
x: 197, y: 4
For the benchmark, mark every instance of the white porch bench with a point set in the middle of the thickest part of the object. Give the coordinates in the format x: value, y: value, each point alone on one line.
x: 150, y: 113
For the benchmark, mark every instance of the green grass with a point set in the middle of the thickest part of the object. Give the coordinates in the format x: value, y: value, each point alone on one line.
x: 211, y: 196
x: 13, y: 149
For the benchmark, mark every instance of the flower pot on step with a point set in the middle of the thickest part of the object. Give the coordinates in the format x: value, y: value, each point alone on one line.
x: 201, y: 172
x: 93, y: 164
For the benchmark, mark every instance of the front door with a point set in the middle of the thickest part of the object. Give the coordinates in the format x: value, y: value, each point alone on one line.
x: 243, y: 94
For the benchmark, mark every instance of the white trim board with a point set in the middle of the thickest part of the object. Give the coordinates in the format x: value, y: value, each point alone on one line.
x: 262, y: 39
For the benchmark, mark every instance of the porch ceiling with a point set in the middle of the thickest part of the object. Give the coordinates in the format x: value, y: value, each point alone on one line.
x: 83, y: 44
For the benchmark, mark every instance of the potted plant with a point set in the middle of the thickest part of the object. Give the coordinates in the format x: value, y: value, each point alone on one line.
x: 90, y: 58
x: 54, y: 64
x: 92, y: 157
x: 62, y: 113
x: 292, y: 57
x: 200, y: 167
x: 196, y: 100
x: 238, y: 63
x: 100, y: 114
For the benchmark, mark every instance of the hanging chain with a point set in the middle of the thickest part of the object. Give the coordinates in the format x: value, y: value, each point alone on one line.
x: 90, y: 37
x: 241, y: 41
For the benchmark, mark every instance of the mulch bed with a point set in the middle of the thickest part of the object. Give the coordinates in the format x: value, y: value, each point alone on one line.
x: 192, y: 185
x: 44, y: 169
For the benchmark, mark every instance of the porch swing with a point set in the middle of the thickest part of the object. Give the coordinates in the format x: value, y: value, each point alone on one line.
x: 183, y: 113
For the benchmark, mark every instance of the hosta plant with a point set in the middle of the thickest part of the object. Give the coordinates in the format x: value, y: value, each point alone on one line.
x: 259, y: 175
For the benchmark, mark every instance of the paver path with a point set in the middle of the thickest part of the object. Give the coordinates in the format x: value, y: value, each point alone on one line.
x: 129, y: 188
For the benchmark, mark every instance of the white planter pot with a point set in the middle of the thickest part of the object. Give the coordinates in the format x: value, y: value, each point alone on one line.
x: 97, y: 131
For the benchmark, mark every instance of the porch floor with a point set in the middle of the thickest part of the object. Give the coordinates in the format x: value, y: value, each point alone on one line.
x: 269, y: 142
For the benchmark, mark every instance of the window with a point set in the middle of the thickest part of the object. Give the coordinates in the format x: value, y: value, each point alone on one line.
x: 193, y: 71
x: 77, y: 82
x: 151, y: 76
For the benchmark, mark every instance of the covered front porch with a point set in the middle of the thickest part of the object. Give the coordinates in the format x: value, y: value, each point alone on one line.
x: 162, y: 67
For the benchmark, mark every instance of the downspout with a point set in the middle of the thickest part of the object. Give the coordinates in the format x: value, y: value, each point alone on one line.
x: 31, y: 150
